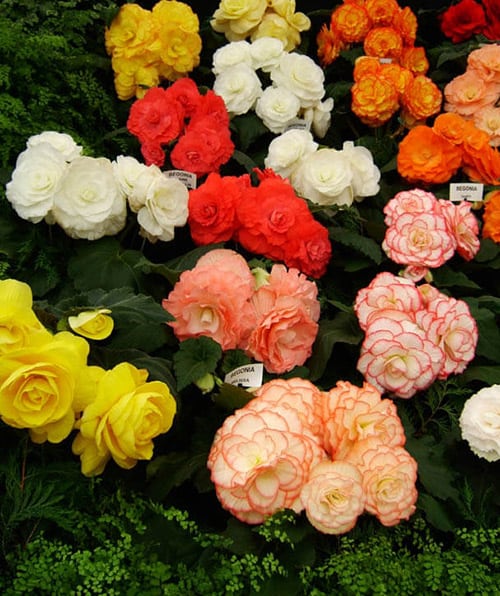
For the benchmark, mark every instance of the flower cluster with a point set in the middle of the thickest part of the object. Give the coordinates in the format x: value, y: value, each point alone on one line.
x: 460, y: 21
x: 491, y: 216
x: 434, y: 154
x: 88, y: 196
x: 260, y: 18
x: 268, y: 219
x: 334, y: 454
x: 294, y: 93
x: 474, y: 94
x: 413, y: 334
x: 480, y: 423
x: 47, y: 387
x: 324, y: 176
x: 147, y: 47
x: 424, y: 232
x: 197, y: 123
x: 273, y: 321
x: 391, y: 75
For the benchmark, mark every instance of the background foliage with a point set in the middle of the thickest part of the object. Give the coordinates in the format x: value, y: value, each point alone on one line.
x: 66, y: 534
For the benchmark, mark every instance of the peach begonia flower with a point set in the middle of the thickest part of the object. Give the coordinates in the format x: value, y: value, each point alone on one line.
x: 259, y: 462
x: 374, y: 100
x: 381, y: 12
x: 449, y: 325
x: 415, y: 60
x: 386, y: 292
x: 421, y: 98
x: 213, y: 300
x: 491, y: 216
x: 383, y: 42
x: 389, y: 476
x: 333, y: 497
x: 424, y: 156
x: 486, y: 60
x: 351, y: 413
x: 404, y: 20
x: 351, y: 22
x: 488, y: 119
x: 469, y: 92
x: 463, y: 225
x: 397, y: 356
x: 422, y: 239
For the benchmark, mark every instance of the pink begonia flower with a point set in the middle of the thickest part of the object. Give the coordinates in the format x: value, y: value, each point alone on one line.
x: 386, y: 292
x: 286, y: 310
x: 409, y: 201
x: 352, y: 413
x: 397, y: 356
x: 422, y: 239
x: 389, y: 476
x: 259, y: 462
x: 415, y: 272
x: 299, y: 394
x: 333, y: 498
x: 464, y: 227
x: 213, y: 300
x: 449, y: 324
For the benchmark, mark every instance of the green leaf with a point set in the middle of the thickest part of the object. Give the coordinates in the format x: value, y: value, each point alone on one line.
x: 366, y: 246
x: 168, y: 471
x: 342, y: 328
x: 488, y: 374
x: 446, y: 277
x: 104, y: 264
x: 231, y: 397
x: 488, y: 251
x: 488, y: 344
x: 196, y: 357
x: 248, y: 127
x: 435, y: 512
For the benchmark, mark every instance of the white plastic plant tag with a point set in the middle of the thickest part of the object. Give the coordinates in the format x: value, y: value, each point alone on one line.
x: 468, y: 191
x: 248, y: 375
x: 187, y: 178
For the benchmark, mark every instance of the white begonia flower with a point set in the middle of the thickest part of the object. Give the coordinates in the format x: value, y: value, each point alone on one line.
x: 325, y: 178
x: 128, y: 170
x: 35, y: 179
x: 231, y: 54
x: 140, y: 188
x: 366, y: 175
x: 319, y: 117
x: 277, y: 107
x: 266, y: 53
x: 286, y: 152
x: 302, y: 76
x: 89, y: 202
x: 239, y: 87
x: 62, y: 142
x: 480, y: 423
x: 165, y: 207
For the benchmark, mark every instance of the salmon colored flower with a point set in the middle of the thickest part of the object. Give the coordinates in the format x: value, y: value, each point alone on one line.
x: 374, y: 100
x: 421, y: 98
x: 333, y: 497
x: 486, y: 60
x: 491, y: 216
x: 415, y: 60
x: 469, y: 92
x: 424, y: 156
x: 351, y: 22
x: 463, y: 225
x: 488, y: 119
x: 383, y: 42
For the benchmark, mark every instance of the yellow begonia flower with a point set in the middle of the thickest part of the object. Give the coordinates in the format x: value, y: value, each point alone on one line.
x: 18, y: 322
x: 92, y: 324
x: 237, y: 18
x: 122, y: 421
x: 42, y: 384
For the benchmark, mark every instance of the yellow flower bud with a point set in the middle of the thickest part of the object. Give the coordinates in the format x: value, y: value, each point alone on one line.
x: 92, y: 324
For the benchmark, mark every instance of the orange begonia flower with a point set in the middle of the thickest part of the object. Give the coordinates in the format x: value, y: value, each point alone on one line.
x: 329, y: 45
x: 383, y: 42
x: 415, y: 59
x: 491, y: 217
x: 365, y: 65
x: 352, y: 22
x: 405, y: 21
x: 374, y: 100
x: 424, y: 156
x: 381, y: 12
x: 422, y: 98
x: 451, y: 126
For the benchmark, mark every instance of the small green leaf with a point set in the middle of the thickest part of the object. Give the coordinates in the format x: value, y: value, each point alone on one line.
x: 487, y: 374
x: 231, y: 397
x: 366, y: 246
x: 446, y: 277
x: 196, y: 357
